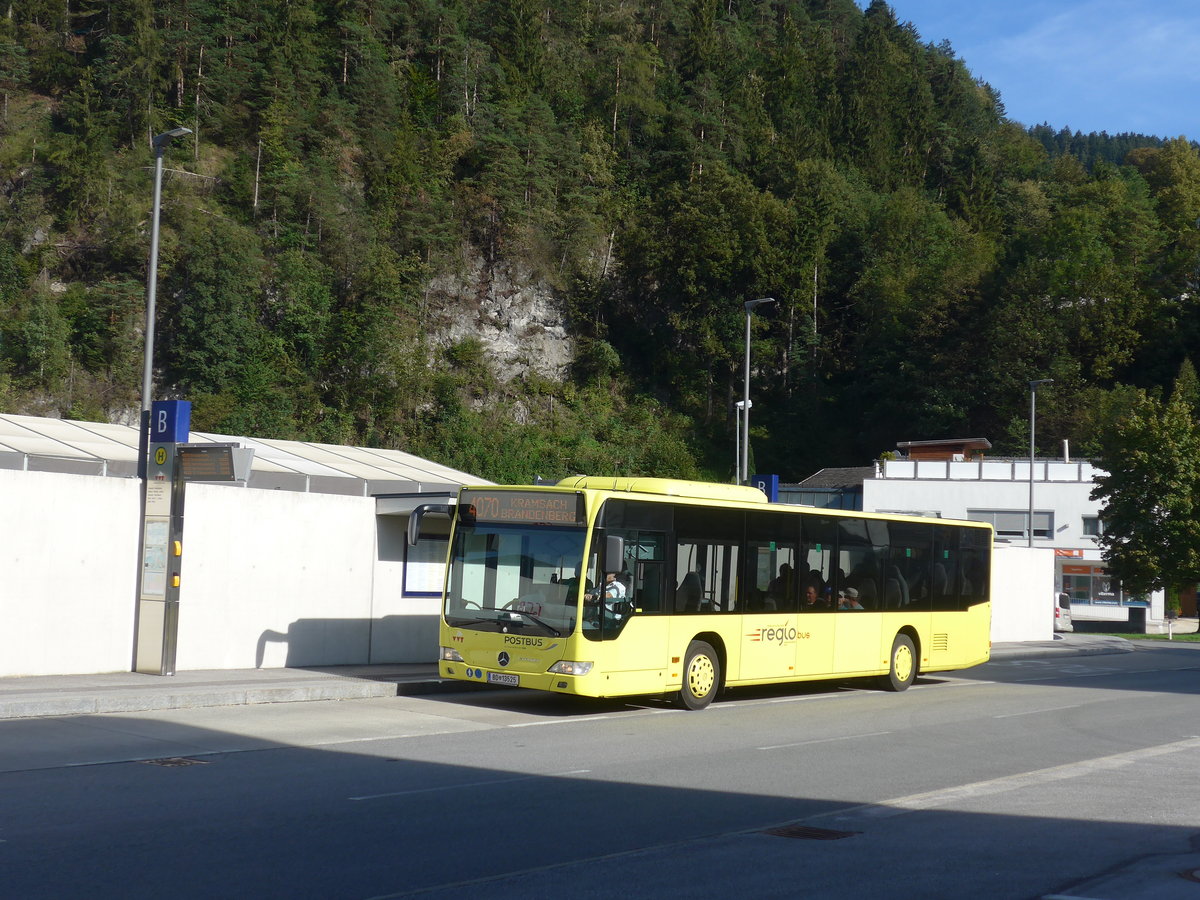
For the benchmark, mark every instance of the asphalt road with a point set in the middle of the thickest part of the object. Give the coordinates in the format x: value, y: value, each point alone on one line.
x: 1026, y: 778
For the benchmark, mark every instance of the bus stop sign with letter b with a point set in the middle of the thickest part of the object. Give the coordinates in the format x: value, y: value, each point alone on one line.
x: 170, y: 421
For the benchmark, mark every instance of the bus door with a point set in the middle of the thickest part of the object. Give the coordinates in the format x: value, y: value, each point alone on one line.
x: 632, y: 634
x: 818, y: 571
x: 771, y: 589
x: 856, y: 595
x: 705, y: 581
x: 908, y: 582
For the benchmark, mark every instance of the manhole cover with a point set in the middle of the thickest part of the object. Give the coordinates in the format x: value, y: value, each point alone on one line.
x: 174, y: 761
x: 808, y: 833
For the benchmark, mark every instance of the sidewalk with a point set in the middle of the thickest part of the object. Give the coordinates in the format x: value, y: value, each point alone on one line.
x: 80, y: 695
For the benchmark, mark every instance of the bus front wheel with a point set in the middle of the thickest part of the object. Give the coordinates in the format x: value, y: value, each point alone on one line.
x: 701, y: 676
x: 902, y: 669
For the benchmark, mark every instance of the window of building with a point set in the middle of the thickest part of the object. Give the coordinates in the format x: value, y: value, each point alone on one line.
x: 1010, y: 524
x: 1093, y: 526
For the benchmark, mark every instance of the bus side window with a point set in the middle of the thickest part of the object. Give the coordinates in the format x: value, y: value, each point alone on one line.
x: 689, y: 593
x: 708, y: 546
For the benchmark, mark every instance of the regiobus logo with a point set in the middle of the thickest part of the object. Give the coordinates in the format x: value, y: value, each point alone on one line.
x: 777, y: 634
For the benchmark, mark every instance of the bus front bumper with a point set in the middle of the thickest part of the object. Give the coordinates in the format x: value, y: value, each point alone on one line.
x: 539, y: 681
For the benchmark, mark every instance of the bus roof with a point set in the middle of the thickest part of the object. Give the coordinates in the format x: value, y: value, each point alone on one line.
x: 668, y: 487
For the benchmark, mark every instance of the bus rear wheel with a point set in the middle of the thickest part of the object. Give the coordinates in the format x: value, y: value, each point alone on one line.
x: 902, y: 668
x: 701, y: 676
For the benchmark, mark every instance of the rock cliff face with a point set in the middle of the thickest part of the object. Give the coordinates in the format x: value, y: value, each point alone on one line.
x: 517, y: 318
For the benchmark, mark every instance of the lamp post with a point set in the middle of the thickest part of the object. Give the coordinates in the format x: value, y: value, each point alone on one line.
x: 1033, y: 388
x: 160, y: 142
x: 154, y: 632
x: 744, y: 474
x: 737, y: 445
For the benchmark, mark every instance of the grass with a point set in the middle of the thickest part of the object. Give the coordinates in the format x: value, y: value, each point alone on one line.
x: 1192, y: 638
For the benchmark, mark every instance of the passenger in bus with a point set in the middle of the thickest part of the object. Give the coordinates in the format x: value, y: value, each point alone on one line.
x: 848, y: 599
x: 779, y: 591
x: 816, y: 580
x: 812, y: 599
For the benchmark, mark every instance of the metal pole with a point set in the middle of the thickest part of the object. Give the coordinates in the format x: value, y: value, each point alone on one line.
x: 737, y: 443
x: 160, y: 142
x: 151, y: 297
x: 1032, y: 408
x: 1033, y: 386
x: 744, y: 474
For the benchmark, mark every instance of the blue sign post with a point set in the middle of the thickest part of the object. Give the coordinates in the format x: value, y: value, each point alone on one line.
x: 157, y: 620
x: 170, y: 421
x: 768, y: 484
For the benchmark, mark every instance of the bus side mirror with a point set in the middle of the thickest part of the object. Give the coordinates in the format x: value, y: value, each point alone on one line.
x: 614, y: 553
x: 415, y: 517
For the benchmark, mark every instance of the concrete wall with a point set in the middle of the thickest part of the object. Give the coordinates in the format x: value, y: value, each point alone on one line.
x: 68, y: 563
x: 268, y: 578
x: 1022, y: 594
x: 274, y: 578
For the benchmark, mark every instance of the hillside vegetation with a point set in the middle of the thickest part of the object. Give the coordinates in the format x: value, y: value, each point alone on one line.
x: 651, y: 165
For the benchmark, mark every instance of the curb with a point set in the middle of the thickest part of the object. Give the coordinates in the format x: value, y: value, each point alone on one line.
x: 63, y: 699
x: 1043, y: 650
x: 47, y: 704
x: 119, y: 701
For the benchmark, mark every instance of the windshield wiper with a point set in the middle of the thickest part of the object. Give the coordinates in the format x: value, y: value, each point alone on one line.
x: 532, y: 618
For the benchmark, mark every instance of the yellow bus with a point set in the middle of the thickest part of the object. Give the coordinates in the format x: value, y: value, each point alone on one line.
x: 613, y: 587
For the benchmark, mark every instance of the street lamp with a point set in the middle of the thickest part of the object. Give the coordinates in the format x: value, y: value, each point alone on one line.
x: 160, y: 142
x: 737, y: 444
x: 1033, y: 387
x: 744, y: 474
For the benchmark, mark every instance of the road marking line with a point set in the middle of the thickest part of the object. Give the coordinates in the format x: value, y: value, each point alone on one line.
x: 811, y: 697
x: 848, y: 737
x: 559, y: 721
x: 1034, y: 712
x: 945, y: 796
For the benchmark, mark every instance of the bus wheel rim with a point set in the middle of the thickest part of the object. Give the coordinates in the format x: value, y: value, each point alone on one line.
x: 903, y: 662
x: 701, y: 676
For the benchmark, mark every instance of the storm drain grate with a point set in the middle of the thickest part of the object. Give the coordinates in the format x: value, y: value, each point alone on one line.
x: 808, y: 833
x: 176, y: 761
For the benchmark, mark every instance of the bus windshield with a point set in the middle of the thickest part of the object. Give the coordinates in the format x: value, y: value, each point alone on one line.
x: 512, y: 577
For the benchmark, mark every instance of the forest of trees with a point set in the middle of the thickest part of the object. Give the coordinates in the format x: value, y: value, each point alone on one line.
x: 653, y: 164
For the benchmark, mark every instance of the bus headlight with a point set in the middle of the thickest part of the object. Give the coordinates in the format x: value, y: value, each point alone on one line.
x: 567, y: 667
x: 449, y: 654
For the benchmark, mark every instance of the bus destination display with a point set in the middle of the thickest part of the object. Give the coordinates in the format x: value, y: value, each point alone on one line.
x: 522, y: 507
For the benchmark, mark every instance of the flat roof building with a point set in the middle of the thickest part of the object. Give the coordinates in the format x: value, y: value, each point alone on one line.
x: 954, y: 479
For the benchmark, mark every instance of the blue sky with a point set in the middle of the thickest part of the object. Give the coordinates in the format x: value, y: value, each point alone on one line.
x: 1090, y: 65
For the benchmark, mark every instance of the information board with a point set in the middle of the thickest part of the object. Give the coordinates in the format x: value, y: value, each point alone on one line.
x: 206, y: 463
x: 521, y: 507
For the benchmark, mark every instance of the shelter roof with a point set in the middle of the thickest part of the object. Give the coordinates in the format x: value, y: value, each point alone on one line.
x: 99, y: 448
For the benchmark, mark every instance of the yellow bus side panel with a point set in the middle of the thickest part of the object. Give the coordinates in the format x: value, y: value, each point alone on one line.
x: 648, y: 656
x: 958, y: 640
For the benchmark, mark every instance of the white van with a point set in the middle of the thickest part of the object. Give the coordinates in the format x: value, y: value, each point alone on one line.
x: 1062, y: 612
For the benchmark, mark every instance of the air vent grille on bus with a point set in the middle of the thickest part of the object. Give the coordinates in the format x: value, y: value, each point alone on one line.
x: 941, y: 642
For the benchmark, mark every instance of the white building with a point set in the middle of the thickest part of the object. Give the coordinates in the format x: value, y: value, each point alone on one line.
x: 305, y: 564
x: 953, y: 479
